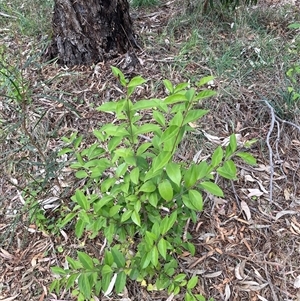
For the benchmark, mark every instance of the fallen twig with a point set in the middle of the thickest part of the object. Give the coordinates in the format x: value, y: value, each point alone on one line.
x: 270, y: 149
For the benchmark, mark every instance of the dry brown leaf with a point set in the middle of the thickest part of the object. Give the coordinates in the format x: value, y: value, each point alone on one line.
x: 227, y: 292
x: 213, y: 275
x: 287, y: 195
x: 254, y: 192
x: 297, y: 282
x: 239, y: 270
x: 295, y: 228
x: 261, y: 298
x: 10, y: 298
x: 6, y: 255
x: 249, y: 286
x: 284, y: 212
x: 249, y: 178
x: 246, y: 210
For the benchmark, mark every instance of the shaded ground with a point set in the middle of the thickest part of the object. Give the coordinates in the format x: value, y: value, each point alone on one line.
x: 248, y: 244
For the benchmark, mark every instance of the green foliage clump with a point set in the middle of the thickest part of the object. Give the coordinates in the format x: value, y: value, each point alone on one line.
x: 226, y: 4
x: 139, y: 196
x: 144, y: 3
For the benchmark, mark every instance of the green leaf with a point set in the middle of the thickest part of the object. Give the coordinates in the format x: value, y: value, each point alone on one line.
x: 136, y: 218
x: 228, y: 170
x: 81, y: 200
x: 294, y: 26
x: 146, y: 104
x: 114, y: 142
x: 110, y: 231
x: 217, y: 157
x: 163, y: 226
x: 212, y: 188
x: 189, y: 94
x: 102, y: 202
x: 171, y: 221
x: 194, y: 115
x: 153, y: 199
x: 190, y: 176
x: 165, y: 190
x: 81, y: 297
x: 71, y: 281
x: 149, y: 239
x: 193, y: 200
x: 114, y: 130
x: 154, y: 256
x: 84, y: 216
x: 192, y: 282
x: 159, y: 118
x: 175, y: 98
x: 147, y: 128
x: 174, y: 173
x: 59, y: 271
x: 134, y: 175
x: 107, y: 280
x: 177, y: 120
x: 114, y: 210
x: 204, y: 94
x: 136, y: 81
x: 126, y: 216
x: 99, y: 135
x: 75, y: 264
x: 107, y: 184
x: 150, y: 174
x: 55, y: 286
x: 168, y: 85
x: 145, y: 261
x: 106, y: 270
x: 161, y: 160
x: 79, y: 228
x: 121, y: 169
x: 148, y: 187
x: 155, y: 230
x: 233, y: 143
x: 205, y: 80
x: 84, y: 285
x: 119, y: 258
x: 120, y: 282
x: 202, y: 170
x: 162, y: 248
x: 81, y: 174
x: 109, y: 106
x: 86, y: 260
x: 179, y: 277
x: 169, y: 133
x: 119, y: 74
x: 67, y: 219
x: 180, y: 87
x: 143, y: 148
x: 248, y: 158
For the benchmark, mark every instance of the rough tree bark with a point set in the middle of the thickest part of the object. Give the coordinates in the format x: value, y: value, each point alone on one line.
x: 89, y: 31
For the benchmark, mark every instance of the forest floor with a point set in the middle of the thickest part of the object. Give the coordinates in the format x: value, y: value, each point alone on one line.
x: 248, y: 244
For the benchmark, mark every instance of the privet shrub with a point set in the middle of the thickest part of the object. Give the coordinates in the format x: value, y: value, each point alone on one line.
x: 138, y: 196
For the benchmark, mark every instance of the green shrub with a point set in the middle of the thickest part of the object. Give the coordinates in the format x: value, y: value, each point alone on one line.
x: 138, y: 195
x: 141, y: 3
x: 225, y: 4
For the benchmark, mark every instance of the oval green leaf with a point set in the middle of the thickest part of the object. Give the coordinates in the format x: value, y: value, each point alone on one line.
x: 165, y: 190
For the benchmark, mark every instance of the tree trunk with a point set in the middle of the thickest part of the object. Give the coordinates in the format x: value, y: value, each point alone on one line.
x: 90, y: 31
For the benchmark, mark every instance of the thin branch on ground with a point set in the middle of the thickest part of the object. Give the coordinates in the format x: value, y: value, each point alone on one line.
x: 270, y: 149
x: 270, y: 283
x: 288, y: 122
